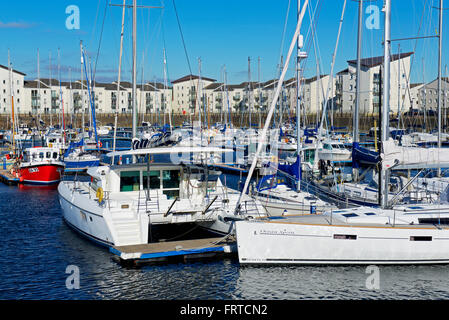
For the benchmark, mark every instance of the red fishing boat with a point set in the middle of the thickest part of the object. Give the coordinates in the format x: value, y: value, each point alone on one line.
x: 40, y: 165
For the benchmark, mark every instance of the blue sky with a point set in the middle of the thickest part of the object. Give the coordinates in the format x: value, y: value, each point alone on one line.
x: 218, y: 32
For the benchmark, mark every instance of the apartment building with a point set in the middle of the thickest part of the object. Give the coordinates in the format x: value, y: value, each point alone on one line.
x: 12, y: 80
x: 185, y: 93
x: 370, y: 82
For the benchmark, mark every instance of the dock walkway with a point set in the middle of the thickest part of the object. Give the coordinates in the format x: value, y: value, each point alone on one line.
x: 184, y: 250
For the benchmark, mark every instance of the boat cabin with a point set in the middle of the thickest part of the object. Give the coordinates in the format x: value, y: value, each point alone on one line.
x: 41, y: 154
x: 167, y: 180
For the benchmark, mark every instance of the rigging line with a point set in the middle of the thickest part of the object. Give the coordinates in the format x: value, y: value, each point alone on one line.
x: 283, y: 39
x: 95, y: 23
x: 101, y: 37
x: 330, y: 82
x: 315, y: 15
x: 182, y: 38
x: 318, y: 71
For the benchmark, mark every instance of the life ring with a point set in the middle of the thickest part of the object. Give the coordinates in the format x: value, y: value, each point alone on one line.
x: 100, y: 194
x: 100, y: 144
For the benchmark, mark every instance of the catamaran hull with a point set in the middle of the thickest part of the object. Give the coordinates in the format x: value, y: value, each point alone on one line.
x: 85, y: 221
x: 290, y: 243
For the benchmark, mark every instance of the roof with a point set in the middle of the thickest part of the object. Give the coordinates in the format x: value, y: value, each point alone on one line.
x: 34, y: 84
x: 6, y: 68
x: 214, y: 86
x: 376, y: 61
x: 312, y: 79
x: 343, y: 71
x: 191, y: 77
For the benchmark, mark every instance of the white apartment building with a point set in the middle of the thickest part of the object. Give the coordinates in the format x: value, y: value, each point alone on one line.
x: 185, y: 93
x: 415, y: 96
x: 17, y: 84
x: 428, y: 95
x: 370, y: 79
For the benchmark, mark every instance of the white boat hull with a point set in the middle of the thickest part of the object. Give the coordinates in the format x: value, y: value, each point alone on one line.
x: 86, y: 221
x: 276, y: 242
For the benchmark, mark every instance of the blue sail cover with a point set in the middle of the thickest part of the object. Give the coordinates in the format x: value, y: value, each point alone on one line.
x: 72, y: 146
x: 272, y: 180
x: 365, y: 156
x: 293, y: 170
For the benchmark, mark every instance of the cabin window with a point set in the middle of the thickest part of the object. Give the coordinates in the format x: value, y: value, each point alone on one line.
x: 170, y: 183
x: 370, y: 214
x: 420, y: 238
x: 48, y: 155
x: 129, y: 181
x: 170, y: 179
x: 349, y: 215
x: 327, y: 146
x: 55, y: 155
x: 345, y: 236
x: 155, y: 180
x: 41, y: 155
x: 433, y: 220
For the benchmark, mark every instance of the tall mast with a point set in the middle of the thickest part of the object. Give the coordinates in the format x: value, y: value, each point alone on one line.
x: 299, y: 56
x: 12, y: 105
x: 356, y: 138
x: 249, y: 90
x: 82, y: 87
x: 51, y: 94
x: 440, y: 38
x: 117, y: 100
x: 260, y: 92
x: 134, y: 89
x: 263, y: 134
x: 71, y: 99
x: 386, y: 100
x: 165, y: 91
x: 38, y: 80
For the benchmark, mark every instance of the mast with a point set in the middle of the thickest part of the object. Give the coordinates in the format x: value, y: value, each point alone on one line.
x: 260, y: 90
x: 249, y: 91
x: 71, y: 99
x: 12, y: 105
x: 299, y: 56
x: 273, y: 105
x: 117, y: 103
x: 386, y: 101
x: 82, y: 87
x: 61, y: 101
x: 356, y: 138
x: 440, y: 38
x: 165, y: 92
x: 134, y: 89
x: 51, y: 95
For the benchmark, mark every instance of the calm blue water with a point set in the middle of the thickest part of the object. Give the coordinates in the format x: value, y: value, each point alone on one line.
x: 37, y: 247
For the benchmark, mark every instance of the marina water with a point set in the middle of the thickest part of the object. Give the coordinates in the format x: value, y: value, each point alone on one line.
x: 39, y: 250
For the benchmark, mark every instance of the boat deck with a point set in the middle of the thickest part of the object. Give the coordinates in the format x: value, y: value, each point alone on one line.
x: 184, y: 250
x: 318, y: 219
x: 7, y: 178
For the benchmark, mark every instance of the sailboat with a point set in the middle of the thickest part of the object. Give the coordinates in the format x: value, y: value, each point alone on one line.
x: 124, y: 204
x: 406, y: 234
